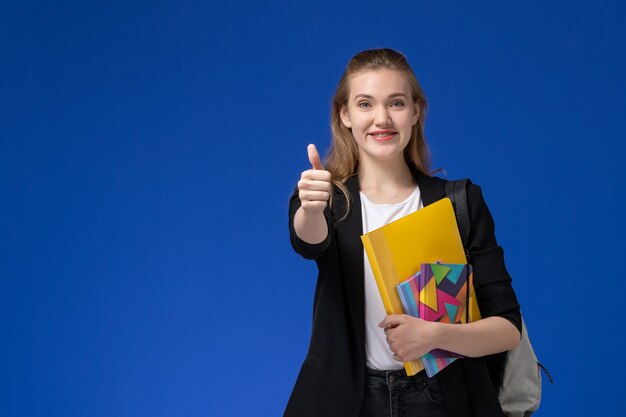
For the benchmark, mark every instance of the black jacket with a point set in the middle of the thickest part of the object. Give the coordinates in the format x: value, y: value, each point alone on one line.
x: 331, y: 380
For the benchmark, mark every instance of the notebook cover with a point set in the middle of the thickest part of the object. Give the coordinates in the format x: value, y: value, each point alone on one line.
x: 443, y: 297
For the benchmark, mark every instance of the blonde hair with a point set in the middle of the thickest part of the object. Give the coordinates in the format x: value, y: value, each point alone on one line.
x: 342, y: 159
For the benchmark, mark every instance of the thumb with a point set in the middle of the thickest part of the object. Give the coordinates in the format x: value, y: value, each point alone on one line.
x: 392, y: 320
x: 314, y: 157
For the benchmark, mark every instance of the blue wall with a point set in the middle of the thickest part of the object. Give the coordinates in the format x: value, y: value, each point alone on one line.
x: 148, y: 149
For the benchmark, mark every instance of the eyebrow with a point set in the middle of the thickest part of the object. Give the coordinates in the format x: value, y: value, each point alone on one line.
x: 390, y: 96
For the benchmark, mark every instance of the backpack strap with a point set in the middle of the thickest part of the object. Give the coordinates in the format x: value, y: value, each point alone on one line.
x: 456, y: 191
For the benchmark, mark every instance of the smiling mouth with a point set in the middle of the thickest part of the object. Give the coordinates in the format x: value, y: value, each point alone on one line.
x: 383, y: 136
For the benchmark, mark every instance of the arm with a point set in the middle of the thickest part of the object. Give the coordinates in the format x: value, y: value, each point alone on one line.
x: 310, y: 227
x: 490, y: 335
x: 309, y: 214
x: 411, y: 338
x: 314, y: 191
x: 492, y: 282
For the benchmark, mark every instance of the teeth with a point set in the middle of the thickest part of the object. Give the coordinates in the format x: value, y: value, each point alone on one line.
x: 382, y: 135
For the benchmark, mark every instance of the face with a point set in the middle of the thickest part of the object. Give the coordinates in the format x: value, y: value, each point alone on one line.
x: 381, y: 113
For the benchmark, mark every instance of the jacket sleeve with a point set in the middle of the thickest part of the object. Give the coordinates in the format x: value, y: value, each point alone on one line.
x: 308, y: 250
x: 492, y: 281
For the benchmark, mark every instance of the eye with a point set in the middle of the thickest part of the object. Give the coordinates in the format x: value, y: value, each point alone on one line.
x: 364, y: 105
x: 397, y: 103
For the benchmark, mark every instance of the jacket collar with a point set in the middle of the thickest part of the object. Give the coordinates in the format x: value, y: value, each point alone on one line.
x: 431, y: 188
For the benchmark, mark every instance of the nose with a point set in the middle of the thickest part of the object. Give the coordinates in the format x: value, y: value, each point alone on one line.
x: 382, y: 116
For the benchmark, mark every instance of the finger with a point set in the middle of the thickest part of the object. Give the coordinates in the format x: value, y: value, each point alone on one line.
x: 317, y: 205
x: 316, y: 174
x: 314, y: 185
x: 313, y: 195
x: 314, y: 157
x: 391, y: 320
x: 313, y: 205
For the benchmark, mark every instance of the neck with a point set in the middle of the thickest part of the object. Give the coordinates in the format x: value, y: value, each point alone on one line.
x: 376, y: 175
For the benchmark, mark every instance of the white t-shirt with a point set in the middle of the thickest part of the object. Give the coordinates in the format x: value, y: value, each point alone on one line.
x: 378, y: 355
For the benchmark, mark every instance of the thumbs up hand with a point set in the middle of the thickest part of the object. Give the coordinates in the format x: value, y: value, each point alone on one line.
x: 315, y: 184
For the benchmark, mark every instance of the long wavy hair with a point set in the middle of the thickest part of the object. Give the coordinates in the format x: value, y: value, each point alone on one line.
x: 342, y: 159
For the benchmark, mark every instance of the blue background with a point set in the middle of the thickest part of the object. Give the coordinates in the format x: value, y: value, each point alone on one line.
x: 148, y: 150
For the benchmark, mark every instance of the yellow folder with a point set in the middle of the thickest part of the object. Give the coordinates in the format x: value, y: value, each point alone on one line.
x: 396, y: 251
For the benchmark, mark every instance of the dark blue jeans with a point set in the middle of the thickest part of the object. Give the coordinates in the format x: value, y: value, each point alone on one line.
x: 394, y: 394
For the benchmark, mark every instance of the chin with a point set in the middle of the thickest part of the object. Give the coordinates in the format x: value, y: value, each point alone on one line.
x: 387, y: 156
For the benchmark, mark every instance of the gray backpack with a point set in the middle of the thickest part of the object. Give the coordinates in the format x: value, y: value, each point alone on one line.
x: 519, y: 390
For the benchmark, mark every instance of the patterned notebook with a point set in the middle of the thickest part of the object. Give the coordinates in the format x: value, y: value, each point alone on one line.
x: 439, y: 292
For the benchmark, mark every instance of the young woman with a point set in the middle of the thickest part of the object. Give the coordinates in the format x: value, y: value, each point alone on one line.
x: 377, y: 171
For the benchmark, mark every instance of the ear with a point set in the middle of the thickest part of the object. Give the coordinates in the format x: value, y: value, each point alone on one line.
x: 345, y: 117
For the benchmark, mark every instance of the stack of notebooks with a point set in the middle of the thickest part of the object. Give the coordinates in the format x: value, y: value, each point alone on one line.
x: 396, y: 253
x: 438, y: 292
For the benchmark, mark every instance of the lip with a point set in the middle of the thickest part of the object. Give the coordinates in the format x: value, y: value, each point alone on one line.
x: 389, y: 135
